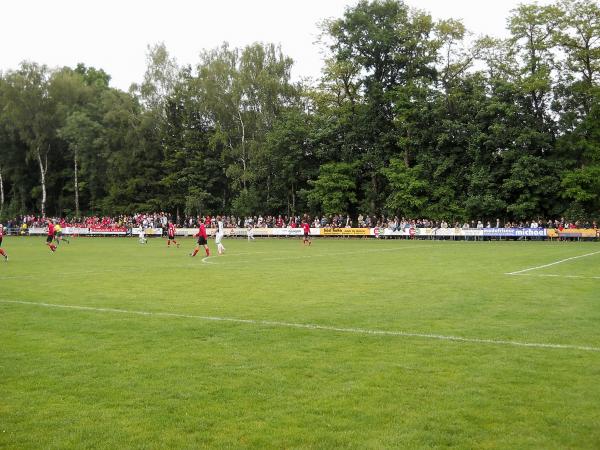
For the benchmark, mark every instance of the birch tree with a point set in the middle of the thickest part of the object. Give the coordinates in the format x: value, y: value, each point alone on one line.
x: 30, y: 109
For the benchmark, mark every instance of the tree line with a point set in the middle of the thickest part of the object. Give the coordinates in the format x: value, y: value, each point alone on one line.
x: 411, y: 117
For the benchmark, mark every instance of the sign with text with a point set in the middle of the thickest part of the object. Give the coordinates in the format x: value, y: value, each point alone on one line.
x: 345, y: 231
x: 514, y: 232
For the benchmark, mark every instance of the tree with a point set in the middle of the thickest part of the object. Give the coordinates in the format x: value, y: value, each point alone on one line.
x: 160, y: 78
x: 193, y: 167
x: 333, y: 192
x: 31, y: 111
x: 289, y: 160
x: 579, y: 36
x: 243, y: 91
x: 383, y: 45
x: 409, y: 189
x: 83, y: 135
x: 532, y: 28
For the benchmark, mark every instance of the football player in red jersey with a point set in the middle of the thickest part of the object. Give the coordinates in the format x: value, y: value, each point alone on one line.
x: 306, y: 229
x: 2, y: 252
x: 50, y: 236
x: 171, y: 234
x: 202, y: 240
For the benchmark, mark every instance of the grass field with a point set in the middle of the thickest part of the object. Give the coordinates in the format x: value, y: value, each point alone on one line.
x: 347, y: 343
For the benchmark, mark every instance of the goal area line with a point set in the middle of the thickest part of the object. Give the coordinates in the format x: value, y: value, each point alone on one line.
x: 543, y: 266
x: 552, y: 275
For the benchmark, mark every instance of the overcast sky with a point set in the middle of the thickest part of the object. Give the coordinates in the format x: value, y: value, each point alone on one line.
x: 114, y: 34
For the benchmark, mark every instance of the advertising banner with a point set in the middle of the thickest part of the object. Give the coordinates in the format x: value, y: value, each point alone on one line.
x: 345, y: 231
x: 76, y: 231
x: 256, y: 231
x: 288, y: 231
x: 470, y: 232
x: 108, y: 231
x: 419, y: 232
x: 186, y: 231
x: 585, y: 233
x: 147, y: 231
x: 378, y: 232
x: 445, y: 232
x: 432, y: 232
x: 37, y: 230
x: 514, y: 232
x: 193, y: 231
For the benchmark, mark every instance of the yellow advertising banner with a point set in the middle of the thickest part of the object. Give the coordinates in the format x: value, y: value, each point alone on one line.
x: 345, y: 232
x: 573, y: 233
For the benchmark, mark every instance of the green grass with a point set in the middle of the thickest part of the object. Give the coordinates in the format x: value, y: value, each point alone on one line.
x: 76, y: 378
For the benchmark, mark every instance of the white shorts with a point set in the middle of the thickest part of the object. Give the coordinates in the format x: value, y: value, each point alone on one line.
x: 218, y: 238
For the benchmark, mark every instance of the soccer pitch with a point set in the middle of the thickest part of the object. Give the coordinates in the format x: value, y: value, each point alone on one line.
x: 347, y: 343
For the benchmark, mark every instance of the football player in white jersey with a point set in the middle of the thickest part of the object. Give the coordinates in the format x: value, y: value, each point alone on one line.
x: 250, y: 230
x: 219, y: 235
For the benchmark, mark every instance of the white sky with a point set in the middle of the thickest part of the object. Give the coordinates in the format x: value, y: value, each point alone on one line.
x: 114, y: 34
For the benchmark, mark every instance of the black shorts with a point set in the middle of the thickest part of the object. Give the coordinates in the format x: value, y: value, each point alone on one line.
x: 201, y: 240
x: 306, y: 235
x: 171, y: 237
x: 49, y: 239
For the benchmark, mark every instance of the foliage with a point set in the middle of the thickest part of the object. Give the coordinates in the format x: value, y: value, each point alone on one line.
x: 409, y: 189
x: 333, y: 192
x: 409, y: 117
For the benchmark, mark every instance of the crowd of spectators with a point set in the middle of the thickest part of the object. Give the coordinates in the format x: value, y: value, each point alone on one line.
x: 153, y: 220
x: 400, y: 224
x: 161, y: 219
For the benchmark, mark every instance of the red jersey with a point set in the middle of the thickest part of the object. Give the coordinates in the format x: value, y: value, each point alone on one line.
x: 1, y: 231
x: 50, y: 229
x: 201, y: 231
x: 171, y: 229
x: 306, y: 228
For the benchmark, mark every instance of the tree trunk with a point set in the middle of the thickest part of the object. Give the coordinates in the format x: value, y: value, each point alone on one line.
x: 76, y: 186
x: 43, y: 178
x: 243, y: 150
x: 1, y: 193
x: 375, y: 191
x: 293, y: 199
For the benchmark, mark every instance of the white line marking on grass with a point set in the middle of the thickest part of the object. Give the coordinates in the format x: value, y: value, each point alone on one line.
x: 270, y: 323
x: 552, y: 264
x: 555, y: 276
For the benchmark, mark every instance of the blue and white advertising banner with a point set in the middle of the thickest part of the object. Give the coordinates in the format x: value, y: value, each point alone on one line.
x: 514, y: 232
